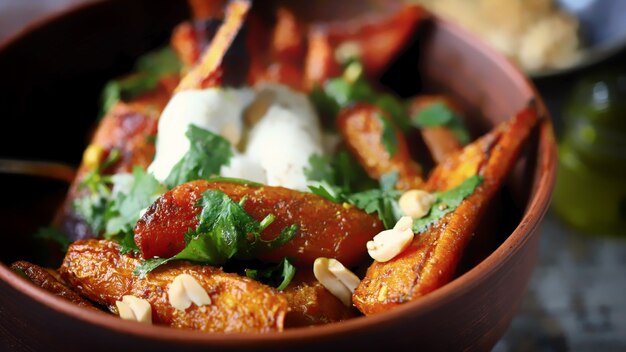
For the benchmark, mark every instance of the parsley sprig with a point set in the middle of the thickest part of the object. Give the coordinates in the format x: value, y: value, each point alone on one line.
x: 224, y: 231
x: 438, y: 114
x: 207, y: 153
x: 351, y: 87
x: 147, y: 72
x: 384, y: 200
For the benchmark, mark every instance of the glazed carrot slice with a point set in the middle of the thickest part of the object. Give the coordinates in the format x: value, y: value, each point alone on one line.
x: 325, y: 229
x: 431, y: 259
x: 208, y: 70
x: 238, y: 304
x: 362, y: 127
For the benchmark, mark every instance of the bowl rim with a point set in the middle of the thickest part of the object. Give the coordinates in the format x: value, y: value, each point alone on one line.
x: 536, y: 208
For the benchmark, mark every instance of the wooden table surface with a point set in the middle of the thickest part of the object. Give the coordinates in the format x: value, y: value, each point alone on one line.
x: 577, y: 298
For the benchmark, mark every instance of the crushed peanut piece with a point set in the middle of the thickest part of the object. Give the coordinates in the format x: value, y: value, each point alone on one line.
x: 389, y: 243
x: 135, y: 309
x: 336, y: 278
x: 185, y: 290
x: 416, y: 203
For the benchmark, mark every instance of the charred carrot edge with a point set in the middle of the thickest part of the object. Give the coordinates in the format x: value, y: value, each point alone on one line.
x: 432, y: 258
x: 362, y: 129
x: 211, y: 60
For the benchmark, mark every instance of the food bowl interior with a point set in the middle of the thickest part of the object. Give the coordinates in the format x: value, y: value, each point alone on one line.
x: 52, y: 76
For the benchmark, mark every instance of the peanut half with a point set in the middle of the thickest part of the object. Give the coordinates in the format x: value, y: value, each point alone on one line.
x: 337, y: 279
x: 416, y: 203
x: 185, y: 290
x: 389, y: 243
x: 135, y: 309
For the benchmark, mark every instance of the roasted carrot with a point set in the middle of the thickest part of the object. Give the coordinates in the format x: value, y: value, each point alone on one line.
x: 325, y: 229
x: 238, y: 304
x: 362, y: 128
x: 430, y: 261
x: 208, y: 71
x: 46, y: 280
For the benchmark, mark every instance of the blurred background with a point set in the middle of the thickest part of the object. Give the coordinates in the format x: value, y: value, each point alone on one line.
x: 575, y: 53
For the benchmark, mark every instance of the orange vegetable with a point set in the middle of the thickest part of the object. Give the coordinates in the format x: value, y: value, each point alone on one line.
x: 362, y: 129
x: 432, y: 258
x: 325, y: 229
x: 238, y: 304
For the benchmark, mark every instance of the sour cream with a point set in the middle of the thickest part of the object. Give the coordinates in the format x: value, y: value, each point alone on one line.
x: 273, y: 149
x: 216, y: 110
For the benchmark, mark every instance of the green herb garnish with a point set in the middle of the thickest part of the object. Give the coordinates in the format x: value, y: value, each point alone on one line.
x: 225, y: 231
x: 55, y: 235
x: 382, y: 201
x: 438, y: 114
x: 388, y: 137
x: 446, y: 202
x: 206, y: 155
x: 351, y: 87
x: 279, y: 275
x: 148, y: 70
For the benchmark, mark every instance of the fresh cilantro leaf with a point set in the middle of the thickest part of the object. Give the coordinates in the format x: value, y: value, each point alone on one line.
x: 148, y: 265
x: 225, y: 231
x: 127, y: 207
x: 388, y: 136
x: 320, y: 168
x: 126, y: 240
x: 337, y: 174
x: 93, y: 208
x: 447, y: 202
x: 438, y: 114
x: 55, y: 235
x: 396, y: 110
x: 162, y: 61
x: 352, y: 86
x: 383, y: 201
x: 148, y: 70
x: 206, y: 155
x: 327, y: 191
x: 279, y: 275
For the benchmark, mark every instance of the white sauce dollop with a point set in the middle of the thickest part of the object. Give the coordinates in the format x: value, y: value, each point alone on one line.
x: 278, y: 145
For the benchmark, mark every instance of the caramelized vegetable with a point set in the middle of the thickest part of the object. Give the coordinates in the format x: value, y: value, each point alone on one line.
x: 378, y: 41
x: 431, y: 259
x: 127, y: 128
x: 310, y: 303
x: 208, y: 71
x: 325, y: 229
x: 239, y: 304
x: 440, y: 141
x: 362, y: 128
x: 46, y: 280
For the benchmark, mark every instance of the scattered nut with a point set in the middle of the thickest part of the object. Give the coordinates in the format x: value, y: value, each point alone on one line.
x: 185, y: 290
x: 337, y: 279
x: 416, y: 203
x: 389, y: 243
x: 135, y: 309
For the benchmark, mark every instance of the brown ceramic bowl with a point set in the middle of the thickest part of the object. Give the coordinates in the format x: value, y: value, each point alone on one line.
x: 51, y: 75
